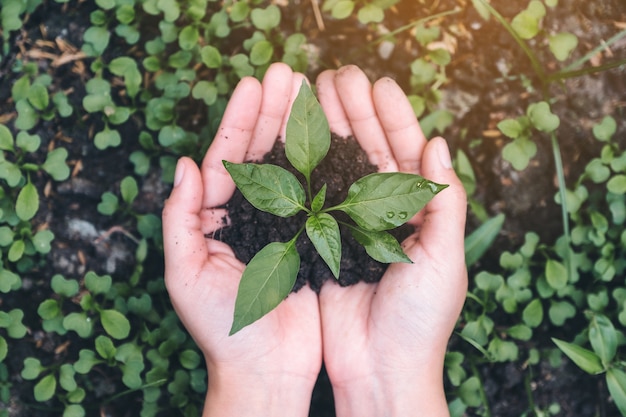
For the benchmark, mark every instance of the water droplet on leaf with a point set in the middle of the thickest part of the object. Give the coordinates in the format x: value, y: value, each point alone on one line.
x: 403, y: 215
x: 390, y: 214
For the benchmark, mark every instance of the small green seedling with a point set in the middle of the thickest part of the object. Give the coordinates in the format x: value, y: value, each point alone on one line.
x: 376, y: 203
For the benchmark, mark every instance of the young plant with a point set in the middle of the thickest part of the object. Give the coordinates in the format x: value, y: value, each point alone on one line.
x: 376, y: 203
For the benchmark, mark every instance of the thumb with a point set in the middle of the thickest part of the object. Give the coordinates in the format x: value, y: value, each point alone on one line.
x: 183, y: 238
x: 443, y: 228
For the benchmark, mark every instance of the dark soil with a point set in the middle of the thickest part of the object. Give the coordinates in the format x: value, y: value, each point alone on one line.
x: 252, y: 229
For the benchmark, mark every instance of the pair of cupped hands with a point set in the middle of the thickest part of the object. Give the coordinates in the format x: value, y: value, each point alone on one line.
x: 383, y: 345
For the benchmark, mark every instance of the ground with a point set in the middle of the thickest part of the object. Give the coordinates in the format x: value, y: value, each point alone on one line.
x: 476, y: 89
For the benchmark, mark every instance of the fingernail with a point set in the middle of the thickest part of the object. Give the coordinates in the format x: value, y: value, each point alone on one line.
x: 444, y: 154
x: 180, y: 173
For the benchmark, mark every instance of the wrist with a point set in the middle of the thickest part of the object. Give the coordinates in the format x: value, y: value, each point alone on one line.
x: 257, y: 395
x: 417, y: 393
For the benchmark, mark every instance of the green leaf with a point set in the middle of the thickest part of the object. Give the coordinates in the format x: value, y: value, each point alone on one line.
x: 55, y: 164
x: 265, y: 19
x: 382, y: 201
x: 520, y: 332
x: 66, y: 377
x: 342, y: 9
x: 370, y: 13
x: 533, y: 313
x: 189, y: 359
x: 519, y: 152
x: 98, y: 284
x: 41, y: 241
x: 129, y: 189
x: 108, y: 203
x: 584, y: 358
x: 32, y: 368
x: 171, y: 135
x: 239, y: 11
x: 489, y: 282
x: 211, y: 56
x: 74, y: 410
x: 86, y: 360
x: 470, y: 390
x: 318, y: 201
x: 27, y: 203
x: 503, y: 351
x: 107, y: 138
x: 525, y: 24
x: 261, y: 53
x: 80, y: 323
x: 424, y: 72
x: 562, y: 44
x: 603, y: 338
x: 482, y: 10
x: 481, y: 239
x: 27, y: 117
x: 105, y: 347
x: 617, y: 184
x: 556, y: 274
x: 38, y: 97
x: 511, y: 128
x: 560, y: 311
x: 307, y: 137
x: 45, y: 388
x: 266, y: 281
x: 4, y: 348
x: 206, y: 91
x: 597, y: 171
x: 616, y: 382
x: 268, y: 187
x: 604, y: 130
x: 6, y: 139
x: 16, y: 250
x: 127, y: 68
x: 115, y: 324
x: 64, y: 287
x: 49, y: 309
x: 27, y: 142
x: 96, y: 39
x: 323, y: 231
x: 542, y: 118
x: 188, y: 37
x: 381, y: 246
x: 438, y: 120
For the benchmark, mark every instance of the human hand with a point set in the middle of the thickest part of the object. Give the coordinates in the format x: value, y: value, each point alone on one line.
x: 268, y: 368
x: 384, y: 344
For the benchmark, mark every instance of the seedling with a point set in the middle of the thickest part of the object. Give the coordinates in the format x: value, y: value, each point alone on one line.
x: 376, y: 203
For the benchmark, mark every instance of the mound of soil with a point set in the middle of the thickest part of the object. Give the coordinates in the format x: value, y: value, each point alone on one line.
x: 251, y: 229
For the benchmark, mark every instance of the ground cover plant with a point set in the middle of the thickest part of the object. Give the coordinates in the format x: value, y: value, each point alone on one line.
x: 99, y: 98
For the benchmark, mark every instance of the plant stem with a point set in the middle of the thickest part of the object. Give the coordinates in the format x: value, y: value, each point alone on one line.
x: 411, y: 25
x: 561, y: 75
x: 558, y: 163
x: 483, y: 394
x: 594, y: 51
x: 529, y: 53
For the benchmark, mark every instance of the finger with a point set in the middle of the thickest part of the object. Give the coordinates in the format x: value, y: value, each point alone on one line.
x: 331, y: 104
x: 398, y: 120
x: 183, y: 239
x: 231, y: 142
x: 277, y: 88
x: 355, y: 92
x: 443, y: 226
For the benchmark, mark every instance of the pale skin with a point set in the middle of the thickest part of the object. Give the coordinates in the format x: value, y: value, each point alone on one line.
x: 383, y: 344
